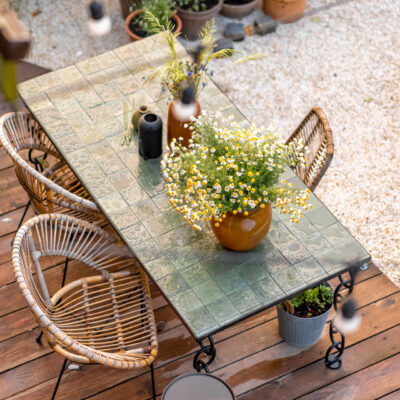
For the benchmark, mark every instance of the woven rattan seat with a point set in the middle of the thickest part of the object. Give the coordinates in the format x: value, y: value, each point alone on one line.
x: 317, y: 136
x: 104, y: 319
x: 55, y: 189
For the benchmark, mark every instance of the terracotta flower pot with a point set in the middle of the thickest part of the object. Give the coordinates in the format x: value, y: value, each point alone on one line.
x: 134, y: 37
x: 238, y: 10
x: 193, y: 21
x: 242, y: 233
x: 285, y: 10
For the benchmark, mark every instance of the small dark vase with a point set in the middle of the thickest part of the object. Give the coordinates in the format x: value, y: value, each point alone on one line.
x: 150, y: 136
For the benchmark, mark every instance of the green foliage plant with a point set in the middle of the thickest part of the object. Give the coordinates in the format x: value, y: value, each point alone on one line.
x: 311, y: 300
x: 231, y: 169
x: 177, y: 73
x: 160, y: 9
x: 194, y: 5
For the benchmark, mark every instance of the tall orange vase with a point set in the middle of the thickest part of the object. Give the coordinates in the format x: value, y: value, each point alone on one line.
x: 176, y: 126
x: 242, y: 233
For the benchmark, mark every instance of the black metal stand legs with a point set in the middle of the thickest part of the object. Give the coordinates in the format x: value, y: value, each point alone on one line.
x: 59, y: 379
x: 153, y: 383
x: 209, y: 351
x: 336, y: 349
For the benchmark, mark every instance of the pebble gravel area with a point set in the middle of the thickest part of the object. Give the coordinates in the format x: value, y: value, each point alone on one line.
x: 343, y: 56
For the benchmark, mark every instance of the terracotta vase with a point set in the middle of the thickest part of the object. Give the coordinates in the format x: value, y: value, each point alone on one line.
x: 176, y: 126
x: 238, y: 10
x: 193, y: 21
x: 137, y: 114
x: 285, y: 10
x: 242, y: 233
x: 176, y: 20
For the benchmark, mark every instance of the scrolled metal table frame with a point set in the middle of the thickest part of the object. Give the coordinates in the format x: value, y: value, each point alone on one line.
x: 341, y: 294
x: 332, y: 358
x: 208, y: 350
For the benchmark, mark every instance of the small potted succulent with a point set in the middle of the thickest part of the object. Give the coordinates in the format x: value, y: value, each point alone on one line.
x: 137, y: 25
x: 302, y: 318
x: 285, y: 10
x: 238, y: 8
x: 230, y: 177
x: 194, y: 15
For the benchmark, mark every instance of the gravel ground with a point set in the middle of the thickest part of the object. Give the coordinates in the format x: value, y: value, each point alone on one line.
x: 343, y: 56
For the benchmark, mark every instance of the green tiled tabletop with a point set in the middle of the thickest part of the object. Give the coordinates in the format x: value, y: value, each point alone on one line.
x: 81, y: 109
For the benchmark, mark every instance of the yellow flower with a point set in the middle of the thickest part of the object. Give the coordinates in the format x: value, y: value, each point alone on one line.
x: 234, y: 212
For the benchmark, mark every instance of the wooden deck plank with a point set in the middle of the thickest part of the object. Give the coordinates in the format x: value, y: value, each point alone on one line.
x: 252, y: 370
x: 315, y: 376
x: 179, y: 346
x: 368, y: 384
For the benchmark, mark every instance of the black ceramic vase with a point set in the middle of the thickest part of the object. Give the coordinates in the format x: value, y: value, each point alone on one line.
x: 150, y: 136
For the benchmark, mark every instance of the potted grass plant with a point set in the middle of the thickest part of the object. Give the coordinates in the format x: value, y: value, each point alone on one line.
x: 195, y: 14
x: 230, y: 177
x: 238, y: 8
x: 137, y: 25
x: 302, y: 318
x: 177, y: 73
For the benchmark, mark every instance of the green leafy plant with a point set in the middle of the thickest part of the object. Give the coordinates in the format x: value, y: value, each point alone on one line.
x: 160, y: 9
x: 231, y: 169
x: 176, y: 73
x: 196, y: 5
x: 311, y: 302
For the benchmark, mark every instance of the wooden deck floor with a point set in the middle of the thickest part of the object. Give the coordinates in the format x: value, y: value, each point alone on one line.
x: 251, y: 357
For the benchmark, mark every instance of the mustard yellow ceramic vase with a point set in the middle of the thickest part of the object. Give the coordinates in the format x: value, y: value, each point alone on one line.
x: 242, y: 232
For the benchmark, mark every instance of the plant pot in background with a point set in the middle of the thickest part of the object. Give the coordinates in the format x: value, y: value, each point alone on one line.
x: 242, y: 233
x: 285, y: 10
x: 193, y: 21
x: 238, y: 10
x: 127, y: 6
x: 301, y: 332
x: 176, y: 20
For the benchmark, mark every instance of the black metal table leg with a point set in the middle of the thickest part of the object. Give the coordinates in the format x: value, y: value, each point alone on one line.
x: 342, y: 292
x: 208, y: 350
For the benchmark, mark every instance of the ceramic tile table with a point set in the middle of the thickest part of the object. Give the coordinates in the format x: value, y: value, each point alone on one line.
x: 81, y: 109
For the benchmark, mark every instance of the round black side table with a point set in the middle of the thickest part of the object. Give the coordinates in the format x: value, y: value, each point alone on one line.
x: 198, y: 387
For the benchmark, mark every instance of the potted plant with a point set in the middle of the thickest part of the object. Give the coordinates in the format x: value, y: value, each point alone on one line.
x: 285, y: 10
x: 302, y: 318
x: 177, y: 74
x: 194, y: 15
x: 229, y: 177
x: 128, y: 6
x: 238, y: 8
x: 137, y: 25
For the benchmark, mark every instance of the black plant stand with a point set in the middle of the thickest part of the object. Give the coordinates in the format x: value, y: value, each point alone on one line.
x: 208, y: 350
x: 341, y: 294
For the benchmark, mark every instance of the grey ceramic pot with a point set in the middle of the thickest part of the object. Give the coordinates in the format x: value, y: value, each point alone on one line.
x: 301, y: 332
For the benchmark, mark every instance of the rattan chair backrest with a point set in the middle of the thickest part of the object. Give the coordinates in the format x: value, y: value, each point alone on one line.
x: 19, y: 131
x: 63, y: 235
x: 316, y: 134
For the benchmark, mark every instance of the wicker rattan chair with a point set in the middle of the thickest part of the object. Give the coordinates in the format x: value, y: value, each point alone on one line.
x: 317, y: 135
x: 104, y: 319
x: 55, y: 189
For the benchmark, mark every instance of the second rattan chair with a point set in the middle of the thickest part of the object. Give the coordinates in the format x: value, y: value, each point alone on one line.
x: 317, y: 136
x: 103, y: 319
x: 55, y: 189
